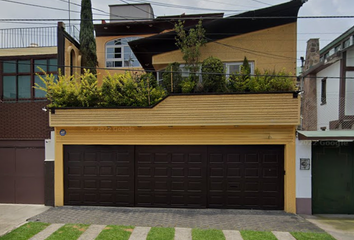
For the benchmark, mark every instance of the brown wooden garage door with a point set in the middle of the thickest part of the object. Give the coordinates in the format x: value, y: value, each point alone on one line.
x: 22, y: 172
x: 244, y: 177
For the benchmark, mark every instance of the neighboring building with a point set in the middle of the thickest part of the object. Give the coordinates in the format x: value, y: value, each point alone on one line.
x: 23, y: 124
x: 327, y: 129
x: 26, y: 158
x: 191, y: 151
x: 151, y: 44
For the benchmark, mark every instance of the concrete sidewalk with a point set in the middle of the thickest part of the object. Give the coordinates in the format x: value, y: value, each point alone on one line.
x: 340, y: 226
x: 14, y: 215
x: 224, y: 219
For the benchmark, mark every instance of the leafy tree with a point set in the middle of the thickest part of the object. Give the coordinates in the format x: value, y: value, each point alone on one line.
x: 172, y: 71
x: 213, y: 74
x: 189, y: 42
x: 87, y: 39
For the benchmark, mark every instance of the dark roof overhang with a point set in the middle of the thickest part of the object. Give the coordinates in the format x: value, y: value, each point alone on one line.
x: 145, y: 48
x: 153, y: 26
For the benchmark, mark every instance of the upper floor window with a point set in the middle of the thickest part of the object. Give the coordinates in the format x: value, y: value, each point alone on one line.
x: 235, y: 67
x: 17, y: 78
x: 119, y: 54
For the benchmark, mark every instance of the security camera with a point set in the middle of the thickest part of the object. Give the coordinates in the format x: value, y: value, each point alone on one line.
x: 44, y: 109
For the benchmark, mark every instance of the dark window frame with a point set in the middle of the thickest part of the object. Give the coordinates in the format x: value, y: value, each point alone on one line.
x: 32, y: 75
x: 324, y: 91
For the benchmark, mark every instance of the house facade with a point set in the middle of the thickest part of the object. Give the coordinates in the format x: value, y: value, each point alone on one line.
x: 26, y: 140
x: 325, y: 140
x: 190, y: 151
x: 23, y: 125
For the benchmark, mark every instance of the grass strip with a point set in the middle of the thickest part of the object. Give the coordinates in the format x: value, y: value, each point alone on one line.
x: 311, y: 235
x: 115, y: 232
x: 26, y: 231
x: 207, y: 234
x: 160, y: 233
x: 68, y: 232
x: 255, y: 235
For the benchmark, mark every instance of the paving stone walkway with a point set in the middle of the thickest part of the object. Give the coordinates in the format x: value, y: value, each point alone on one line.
x: 224, y: 219
x: 141, y: 233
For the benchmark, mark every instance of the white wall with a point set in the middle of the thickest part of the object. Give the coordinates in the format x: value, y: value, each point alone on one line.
x: 329, y: 111
x: 350, y: 57
x: 50, y: 147
x: 349, y: 95
x: 303, y: 177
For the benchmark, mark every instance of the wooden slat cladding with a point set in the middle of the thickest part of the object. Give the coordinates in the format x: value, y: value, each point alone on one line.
x: 191, y: 110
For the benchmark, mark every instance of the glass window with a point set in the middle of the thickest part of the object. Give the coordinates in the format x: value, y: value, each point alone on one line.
x: 39, y: 93
x: 24, y: 86
x: 18, y: 78
x: 119, y: 54
x: 53, y: 65
x: 40, y: 64
x: 9, y: 87
x: 24, y: 66
x: 236, y: 67
x: 9, y: 66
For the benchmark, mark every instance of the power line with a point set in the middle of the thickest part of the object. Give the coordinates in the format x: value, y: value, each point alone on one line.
x: 97, y: 9
x: 154, y: 71
x: 177, y: 18
x: 41, y: 6
x: 188, y: 7
x: 137, y: 7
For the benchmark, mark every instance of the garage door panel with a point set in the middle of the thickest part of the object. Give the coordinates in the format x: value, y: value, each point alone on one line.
x: 7, y: 161
x: 179, y: 176
x: 7, y: 189
x: 176, y: 173
x: 99, y: 175
x: 237, y: 181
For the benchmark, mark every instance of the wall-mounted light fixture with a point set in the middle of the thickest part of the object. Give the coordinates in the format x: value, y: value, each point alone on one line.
x: 62, y: 132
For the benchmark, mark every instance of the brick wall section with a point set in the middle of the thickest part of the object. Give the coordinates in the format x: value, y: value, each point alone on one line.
x: 24, y: 121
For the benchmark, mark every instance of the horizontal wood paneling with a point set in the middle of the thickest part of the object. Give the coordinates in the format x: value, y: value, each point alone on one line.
x: 191, y: 110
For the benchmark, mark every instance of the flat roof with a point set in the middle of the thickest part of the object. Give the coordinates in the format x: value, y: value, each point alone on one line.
x: 28, y: 51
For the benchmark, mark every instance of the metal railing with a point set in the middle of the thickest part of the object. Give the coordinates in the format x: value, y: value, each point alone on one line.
x: 33, y: 37
x: 28, y: 37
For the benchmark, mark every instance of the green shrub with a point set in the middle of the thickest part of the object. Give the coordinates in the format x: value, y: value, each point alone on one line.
x: 61, y: 91
x: 188, y: 84
x: 213, y: 74
x: 174, y: 70
x: 238, y: 82
x: 88, y: 93
x: 272, y: 81
x: 117, y: 90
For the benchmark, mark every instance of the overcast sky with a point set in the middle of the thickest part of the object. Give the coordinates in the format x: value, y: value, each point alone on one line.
x: 325, y: 29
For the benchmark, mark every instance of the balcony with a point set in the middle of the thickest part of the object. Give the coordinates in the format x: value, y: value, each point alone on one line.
x: 32, y: 37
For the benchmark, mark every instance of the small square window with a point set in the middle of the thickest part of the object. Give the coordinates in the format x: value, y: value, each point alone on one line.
x: 324, y: 91
x: 9, y: 66
x: 9, y: 87
x: 24, y: 86
x: 40, y: 64
x: 24, y: 66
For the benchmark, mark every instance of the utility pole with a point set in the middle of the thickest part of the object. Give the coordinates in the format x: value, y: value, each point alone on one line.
x: 69, y: 13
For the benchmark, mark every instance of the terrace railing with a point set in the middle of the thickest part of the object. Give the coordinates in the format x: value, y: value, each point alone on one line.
x: 33, y: 37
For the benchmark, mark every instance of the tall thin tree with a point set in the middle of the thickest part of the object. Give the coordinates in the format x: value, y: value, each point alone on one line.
x: 87, y: 38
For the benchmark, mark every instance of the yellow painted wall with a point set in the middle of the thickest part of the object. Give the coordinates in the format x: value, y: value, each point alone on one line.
x: 28, y: 51
x: 101, y: 58
x: 272, y: 48
x: 69, y: 47
x: 228, y: 135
